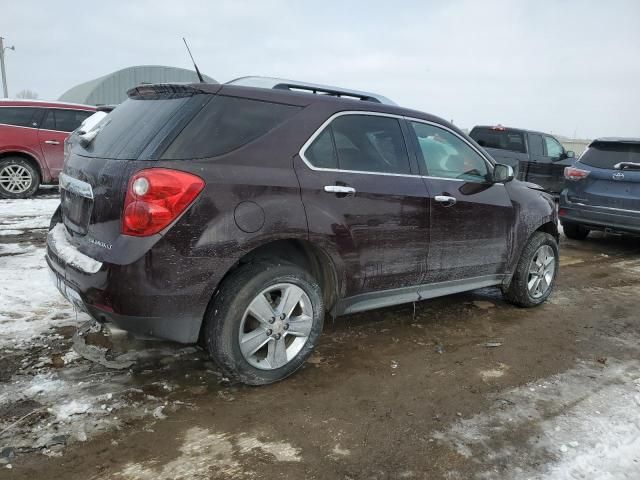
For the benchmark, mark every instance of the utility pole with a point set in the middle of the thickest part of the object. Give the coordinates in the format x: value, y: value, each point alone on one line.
x: 5, y: 89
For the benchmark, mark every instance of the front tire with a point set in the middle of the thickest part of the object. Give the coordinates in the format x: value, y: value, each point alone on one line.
x: 18, y: 178
x: 264, y: 322
x: 536, y: 272
x: 575, y: 231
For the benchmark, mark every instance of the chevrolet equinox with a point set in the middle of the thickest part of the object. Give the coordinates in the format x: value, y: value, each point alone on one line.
x: 238, y: 215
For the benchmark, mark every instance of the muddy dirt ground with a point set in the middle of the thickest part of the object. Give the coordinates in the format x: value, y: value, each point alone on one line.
x: 459, y: 387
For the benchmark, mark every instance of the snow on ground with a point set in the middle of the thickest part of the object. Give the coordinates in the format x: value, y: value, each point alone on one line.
x: 33, y: 213
x: 49, y: 395
x: 582, y: 423
x: 30, y: 305
x: 585, y: 420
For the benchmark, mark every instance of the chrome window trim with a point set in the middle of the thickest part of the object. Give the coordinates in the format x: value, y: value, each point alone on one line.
x: 321, y: 128
x: 37, y: 128
x: 18, y: 126
x: 49, y: 108
x: 55, y: 131
x: 44, y: 108
x: 439, y: 125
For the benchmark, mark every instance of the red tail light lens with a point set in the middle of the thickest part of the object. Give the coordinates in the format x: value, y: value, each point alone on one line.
x: 573, y: 173
x: 155, y: 198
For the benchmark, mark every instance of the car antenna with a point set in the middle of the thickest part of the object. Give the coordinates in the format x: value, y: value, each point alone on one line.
x: 194, y: 62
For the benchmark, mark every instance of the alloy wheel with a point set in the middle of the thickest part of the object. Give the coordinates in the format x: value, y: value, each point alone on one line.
x: 15, y: 178
x: 275, y: 326
x: 541, y: 271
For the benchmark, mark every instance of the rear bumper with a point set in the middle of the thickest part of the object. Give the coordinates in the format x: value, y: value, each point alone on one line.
x: 120, y: 294
x: 599, y: 218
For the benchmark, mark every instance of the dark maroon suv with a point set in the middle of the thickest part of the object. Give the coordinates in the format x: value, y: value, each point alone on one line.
x: 240, y: 216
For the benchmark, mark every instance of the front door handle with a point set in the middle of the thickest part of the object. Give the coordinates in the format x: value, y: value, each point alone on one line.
x: 446, y: 200
x: 52, y: 142
x: 340, y: 189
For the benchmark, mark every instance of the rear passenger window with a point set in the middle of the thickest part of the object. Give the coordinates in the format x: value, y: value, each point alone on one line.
x: 446, y: 155
x: 69, y: 120
x: 49, y: 122
x: 535, y: 145
x: 19, y: 116
x: 64, y: 120
x: 367, y: 143
x: 226, y: 124
x: 322, y: 153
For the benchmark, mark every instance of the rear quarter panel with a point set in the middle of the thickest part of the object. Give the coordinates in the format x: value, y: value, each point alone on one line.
x: 251, y: 197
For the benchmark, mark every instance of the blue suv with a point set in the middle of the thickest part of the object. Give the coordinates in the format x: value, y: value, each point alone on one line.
x: 602, y: 189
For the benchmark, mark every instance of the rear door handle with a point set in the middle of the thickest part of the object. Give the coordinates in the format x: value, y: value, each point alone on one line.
x: 446, y: 200
x: 52, y: 142
x: 339, y: 189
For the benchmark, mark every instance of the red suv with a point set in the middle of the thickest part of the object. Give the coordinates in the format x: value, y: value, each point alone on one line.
x: 32, y: 135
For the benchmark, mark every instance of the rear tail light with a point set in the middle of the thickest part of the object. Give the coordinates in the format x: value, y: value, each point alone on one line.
x: 155, y: 198
x: 562, y: 212
x: 573, y: 173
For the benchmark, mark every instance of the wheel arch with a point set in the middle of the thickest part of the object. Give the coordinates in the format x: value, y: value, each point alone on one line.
x: 303, y: 253
x: 549, y: 227
x: 28, y: 157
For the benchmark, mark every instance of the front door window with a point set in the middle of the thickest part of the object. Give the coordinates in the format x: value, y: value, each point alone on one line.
x: 554, y: 149
x: 446, y: 155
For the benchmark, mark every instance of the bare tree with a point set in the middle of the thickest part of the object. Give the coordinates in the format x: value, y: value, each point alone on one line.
x: 28, y: 94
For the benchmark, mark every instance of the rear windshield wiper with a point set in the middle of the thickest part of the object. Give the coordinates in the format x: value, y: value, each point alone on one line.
x: 627, y: 165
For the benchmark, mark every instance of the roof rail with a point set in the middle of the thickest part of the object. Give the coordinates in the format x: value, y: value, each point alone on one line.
x: 296, y: 86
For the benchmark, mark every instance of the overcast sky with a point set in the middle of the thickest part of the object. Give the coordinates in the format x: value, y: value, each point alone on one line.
x: 560, y: 66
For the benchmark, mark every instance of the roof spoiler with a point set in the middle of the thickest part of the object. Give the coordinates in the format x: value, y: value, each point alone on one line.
x: 173, y: 90
x: 105, y: 108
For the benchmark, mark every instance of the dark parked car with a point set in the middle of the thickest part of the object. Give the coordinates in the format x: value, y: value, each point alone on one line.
x: 240, y: 216
x: 32, y: 135
x: 603, y: 189
x: 535, y: 156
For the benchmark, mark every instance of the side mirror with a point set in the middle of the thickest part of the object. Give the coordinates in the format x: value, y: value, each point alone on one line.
x: 502, y: 173
x: 570, y: 154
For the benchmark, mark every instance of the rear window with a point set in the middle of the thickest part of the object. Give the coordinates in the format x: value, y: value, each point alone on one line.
x: 19, y: 116
x: 130, y: 128
x: 226, y: 124
x: 501, y: 139
x: 608, y: 154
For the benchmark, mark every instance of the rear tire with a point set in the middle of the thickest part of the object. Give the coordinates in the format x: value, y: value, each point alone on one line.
x: 575, y: 231
x: 250, y: 338
x: 18, y: 178
x: 532, y: 272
